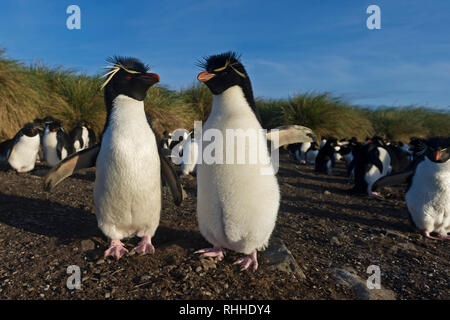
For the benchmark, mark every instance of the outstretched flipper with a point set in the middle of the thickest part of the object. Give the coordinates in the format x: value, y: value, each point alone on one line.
x: 292, y: 134
x: 395, y: 179
x: 77, y: 161
x: 170, y: 177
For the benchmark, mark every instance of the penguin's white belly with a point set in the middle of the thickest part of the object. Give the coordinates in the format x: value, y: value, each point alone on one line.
x: 303, y: 148
x: 348, y: 158
x: 428, y: 198
x: 190, y: 156
x: 85, y: 137
x: 311, y: 156
x: 77, y: 146
x: 127, y: 191
x: 49, y: 143
x: 23, y: 157
x: 237, y: 205
x: 374, y: 174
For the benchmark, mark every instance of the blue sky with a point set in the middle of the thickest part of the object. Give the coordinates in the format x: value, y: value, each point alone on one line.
x: 287, y: 46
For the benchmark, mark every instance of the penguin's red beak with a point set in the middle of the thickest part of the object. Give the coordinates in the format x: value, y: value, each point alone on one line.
x: 205, y: 76
x: 150, y: 78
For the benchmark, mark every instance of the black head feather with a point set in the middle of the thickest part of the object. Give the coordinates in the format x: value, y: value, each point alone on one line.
x: 209, y: 63
x: 129, y: 63
x: 229, y: 71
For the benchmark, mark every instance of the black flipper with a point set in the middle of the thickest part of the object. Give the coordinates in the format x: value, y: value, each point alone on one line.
x: 391, y: 180
x: 170, y: 177
x: 80, y: 160
x: 374, y: 158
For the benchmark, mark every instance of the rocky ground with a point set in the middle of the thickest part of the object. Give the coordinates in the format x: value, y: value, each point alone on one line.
x: 321, y: 248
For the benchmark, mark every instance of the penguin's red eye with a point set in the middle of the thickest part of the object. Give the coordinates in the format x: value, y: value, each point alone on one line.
x: 128, y: 77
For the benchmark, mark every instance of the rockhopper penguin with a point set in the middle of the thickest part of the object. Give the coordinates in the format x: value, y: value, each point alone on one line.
x: 127, y: 191
x: 428, y: 187
x: 237, y: 205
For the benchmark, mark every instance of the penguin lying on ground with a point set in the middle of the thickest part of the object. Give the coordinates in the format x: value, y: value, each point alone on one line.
x: 21, y: 151
x: 56, y: 143
x: 129, y: 164
x: 428, y: 191
x: 326, y: 159
x: 237, y: 205
x: 82, y: 136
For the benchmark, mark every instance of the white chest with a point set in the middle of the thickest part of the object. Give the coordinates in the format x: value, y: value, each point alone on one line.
x: 49, y: 143
x: 128, y: 151
x: 85, y: 137
x: 429, y: 193
x: 24, y: 152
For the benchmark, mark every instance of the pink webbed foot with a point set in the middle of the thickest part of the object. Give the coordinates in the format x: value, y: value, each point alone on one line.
x: 116, y: 249
x: 248, y: 261
x: 215, y: 252
x: 440, y: 237
x: 145, y: 246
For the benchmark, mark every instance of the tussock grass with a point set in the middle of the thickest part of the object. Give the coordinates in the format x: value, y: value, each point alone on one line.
x: 27, y: 92
x: 199, y: 100
x: 324, y: 114
x: 401, y: 123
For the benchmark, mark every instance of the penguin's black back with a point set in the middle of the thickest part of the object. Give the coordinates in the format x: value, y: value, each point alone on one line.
x: 326, y: 154
x: 63, y: 141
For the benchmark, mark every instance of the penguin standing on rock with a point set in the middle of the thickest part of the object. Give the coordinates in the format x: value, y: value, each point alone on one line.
x: 82, y: 136
x: 22, y: 150
x: 56, y: 143
x: 428, y: 192
x: 237, y: 205
x: 129, y: 164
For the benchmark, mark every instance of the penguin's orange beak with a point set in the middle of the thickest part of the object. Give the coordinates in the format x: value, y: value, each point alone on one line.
x: 150, y: 78
x: 205, y: 76
x: 438, y: 155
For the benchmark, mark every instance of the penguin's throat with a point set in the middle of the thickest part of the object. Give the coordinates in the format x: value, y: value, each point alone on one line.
x: 231, y: 101
x: 125, y: 109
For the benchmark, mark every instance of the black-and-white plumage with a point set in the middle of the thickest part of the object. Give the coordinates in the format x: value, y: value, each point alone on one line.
x: 21, y: 151
x: 326, y: 159
x: 56, y: 143
x: 129, y: 164
x: 82, y: 135
x: 428, y: 187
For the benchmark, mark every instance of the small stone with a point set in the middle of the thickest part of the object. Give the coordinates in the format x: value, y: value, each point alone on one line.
x: 280, y: 258
x: 100, y: 261
x: 327, y: 193
x: 208, y: 264
x: 87, y: 245
x: 349, y: 278
x: 198, y: 269
x: 107, y: 295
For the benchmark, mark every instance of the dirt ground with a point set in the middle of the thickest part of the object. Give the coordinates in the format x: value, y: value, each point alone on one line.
x: 41, y: 234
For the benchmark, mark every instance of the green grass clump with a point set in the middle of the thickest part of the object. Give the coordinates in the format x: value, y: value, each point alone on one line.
x: 27, y: 92
x: 324, y: 114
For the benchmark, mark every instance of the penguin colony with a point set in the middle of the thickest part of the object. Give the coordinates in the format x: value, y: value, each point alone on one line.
x: 44, y: 139
x: 131, y: 165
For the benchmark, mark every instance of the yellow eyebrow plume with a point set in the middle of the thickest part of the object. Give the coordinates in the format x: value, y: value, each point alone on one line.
x: 232, y: 67
x: 114, y: 69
